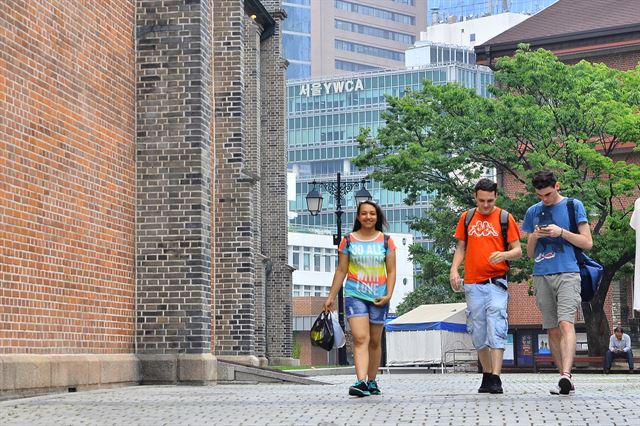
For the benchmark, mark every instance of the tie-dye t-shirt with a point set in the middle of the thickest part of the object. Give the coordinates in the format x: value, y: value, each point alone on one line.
x: 367, y: 276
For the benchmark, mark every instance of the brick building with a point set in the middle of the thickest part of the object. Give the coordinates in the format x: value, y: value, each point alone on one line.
x: 597, y: 31
x: 143, y: 216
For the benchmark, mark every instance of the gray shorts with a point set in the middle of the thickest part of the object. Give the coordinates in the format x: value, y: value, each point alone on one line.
x: 557, y: 297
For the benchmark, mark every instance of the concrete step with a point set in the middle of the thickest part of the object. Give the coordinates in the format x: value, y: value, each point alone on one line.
x: 235, y: 372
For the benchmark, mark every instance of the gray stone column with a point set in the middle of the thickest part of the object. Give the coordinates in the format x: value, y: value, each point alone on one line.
x: 234, y: 247
x: 173, y: 230
x: 253, y: 167
x: 274, y: 195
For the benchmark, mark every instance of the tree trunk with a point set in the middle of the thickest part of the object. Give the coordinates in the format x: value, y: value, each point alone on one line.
x: 597, y: 327
x: 595, y: 320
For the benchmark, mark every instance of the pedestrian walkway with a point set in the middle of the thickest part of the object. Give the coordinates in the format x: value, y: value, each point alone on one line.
x: 428, y: 399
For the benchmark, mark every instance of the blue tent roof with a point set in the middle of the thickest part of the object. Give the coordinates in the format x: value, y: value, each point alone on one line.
x: 441, y: 325
x: 446, y: 316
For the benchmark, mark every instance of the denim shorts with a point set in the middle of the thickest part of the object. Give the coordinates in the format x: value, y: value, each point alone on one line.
x: 487, y: 314
x: 363, y: 308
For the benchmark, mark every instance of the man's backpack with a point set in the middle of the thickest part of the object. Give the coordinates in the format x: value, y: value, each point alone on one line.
x: 590, y: 270
x: 504, y: 225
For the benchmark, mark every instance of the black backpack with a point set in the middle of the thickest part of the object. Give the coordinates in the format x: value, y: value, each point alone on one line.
x: 590, y: 270
x: 504, y: 225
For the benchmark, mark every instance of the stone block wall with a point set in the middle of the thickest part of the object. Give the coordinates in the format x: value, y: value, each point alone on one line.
x: 173, y: 259
x: 234, y: 251
x: 278, y: 278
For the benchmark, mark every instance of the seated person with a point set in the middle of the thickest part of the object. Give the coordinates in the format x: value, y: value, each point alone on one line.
x: 619, y: 347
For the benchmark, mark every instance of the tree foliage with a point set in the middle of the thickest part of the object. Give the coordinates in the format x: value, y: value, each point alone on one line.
x: 581, y: 121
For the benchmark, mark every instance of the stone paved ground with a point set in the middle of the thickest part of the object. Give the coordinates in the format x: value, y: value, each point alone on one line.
x: 430, y: 399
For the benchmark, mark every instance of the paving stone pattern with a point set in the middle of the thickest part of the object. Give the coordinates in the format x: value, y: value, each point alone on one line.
x: 426, y: 399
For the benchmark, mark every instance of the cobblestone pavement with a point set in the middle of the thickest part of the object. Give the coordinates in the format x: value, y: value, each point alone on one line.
x: 429, y: 399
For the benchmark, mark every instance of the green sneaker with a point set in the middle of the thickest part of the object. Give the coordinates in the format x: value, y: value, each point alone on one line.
x: 373, y: 387
x: 359, y: 388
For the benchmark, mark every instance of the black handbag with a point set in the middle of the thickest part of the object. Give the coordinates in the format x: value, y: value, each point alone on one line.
x: 322, y: 331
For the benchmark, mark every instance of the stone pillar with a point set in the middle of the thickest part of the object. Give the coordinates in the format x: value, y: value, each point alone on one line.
x: 234, y: 184
x: 274, y: 195
x: 173, y: 229
x: 253, y: 168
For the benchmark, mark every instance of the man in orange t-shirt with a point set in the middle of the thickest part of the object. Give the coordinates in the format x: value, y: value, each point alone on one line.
x: 482, y: 249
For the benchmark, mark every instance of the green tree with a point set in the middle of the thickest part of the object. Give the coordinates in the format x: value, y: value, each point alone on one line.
x: 435, y: 263
x: 581, y: 121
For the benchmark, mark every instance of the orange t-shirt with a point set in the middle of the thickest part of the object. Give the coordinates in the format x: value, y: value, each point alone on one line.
x: 484, y: 237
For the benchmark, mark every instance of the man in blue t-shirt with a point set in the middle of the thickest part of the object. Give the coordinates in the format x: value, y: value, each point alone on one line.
x: 556, y: 275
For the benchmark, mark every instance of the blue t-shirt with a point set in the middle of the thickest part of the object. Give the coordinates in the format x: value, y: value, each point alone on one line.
x: 553, y: 255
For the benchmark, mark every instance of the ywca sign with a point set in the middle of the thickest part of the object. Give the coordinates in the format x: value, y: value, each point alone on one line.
x: 329, y: 87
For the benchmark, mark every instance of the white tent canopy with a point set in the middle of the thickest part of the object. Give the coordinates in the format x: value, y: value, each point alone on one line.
x: 429, y: 334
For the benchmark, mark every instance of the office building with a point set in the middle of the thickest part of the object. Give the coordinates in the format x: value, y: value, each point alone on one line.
x: 324, y: 117
x: 451, y: 11
x: 339, y: 37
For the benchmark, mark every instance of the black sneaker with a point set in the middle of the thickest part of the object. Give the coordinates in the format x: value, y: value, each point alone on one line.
x: 485, y: 386
x: 496, y: 384
x: 372, y: 385
x: 359, y: 388
x: 565, y: 385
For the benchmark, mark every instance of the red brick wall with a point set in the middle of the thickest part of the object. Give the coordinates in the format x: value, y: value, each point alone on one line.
x: 67, y: 104
x: 310, y: 355
x: 624, y: 62
x: 522, y: 308
x: 303, y: 306
x: 309, y: 306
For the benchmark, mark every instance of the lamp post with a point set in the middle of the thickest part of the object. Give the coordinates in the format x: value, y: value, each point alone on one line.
x: 314, y: 204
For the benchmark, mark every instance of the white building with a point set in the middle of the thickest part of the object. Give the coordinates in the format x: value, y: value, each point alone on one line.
x: 453, y: 42
x: 315, y: 258
x: 472, y: 32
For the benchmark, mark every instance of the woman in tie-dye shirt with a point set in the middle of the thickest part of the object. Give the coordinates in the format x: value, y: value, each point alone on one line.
x: 367, y: 259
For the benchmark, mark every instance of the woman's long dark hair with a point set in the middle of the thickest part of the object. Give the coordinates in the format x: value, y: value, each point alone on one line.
x: 381, y: 222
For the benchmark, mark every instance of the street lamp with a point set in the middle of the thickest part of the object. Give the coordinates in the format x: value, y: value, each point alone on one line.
x: 314, y: 204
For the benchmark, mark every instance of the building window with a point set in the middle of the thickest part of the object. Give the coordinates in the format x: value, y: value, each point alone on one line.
x: 307, y: 262
x: 375, y: 12
x: 298, y: 70
x: 369, y: 50
x: 472, y: 37
x: 296, y: 47
x: 298, y: 19
x: 352, y: 66
x: 374, y: 31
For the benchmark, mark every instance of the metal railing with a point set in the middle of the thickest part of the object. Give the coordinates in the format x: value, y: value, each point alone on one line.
x: 457, y: 361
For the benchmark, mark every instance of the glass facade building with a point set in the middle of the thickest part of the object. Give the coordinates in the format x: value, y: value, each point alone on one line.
x: 458, y: 10
x: 324, y: 118
x: 340, y: 37
x: 296, y: 38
